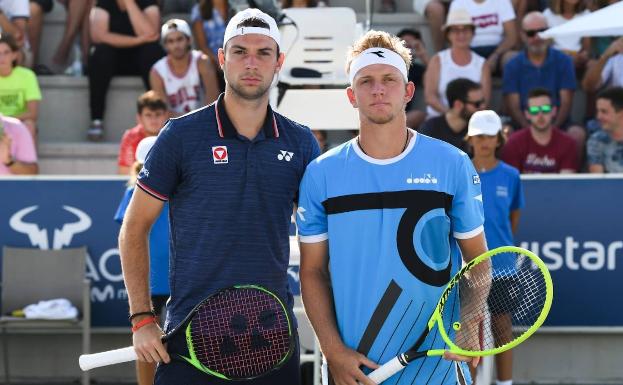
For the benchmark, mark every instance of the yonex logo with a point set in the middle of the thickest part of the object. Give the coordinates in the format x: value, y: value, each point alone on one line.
x: 427, y: 179
x: 219, y: 154
x: 285, y: 155
x: 378, y: 53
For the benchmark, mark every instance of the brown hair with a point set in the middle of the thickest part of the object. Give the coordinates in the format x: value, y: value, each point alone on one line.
x: 9, y: 40
x: 379, y: 39
x: 150, y: 100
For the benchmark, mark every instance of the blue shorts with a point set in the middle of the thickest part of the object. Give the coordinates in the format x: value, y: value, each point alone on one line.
x: 179, y: 372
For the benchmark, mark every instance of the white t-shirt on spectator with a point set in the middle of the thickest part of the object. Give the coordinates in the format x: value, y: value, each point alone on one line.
x: 489, y: 17
x: 15, y: 8
x: 571, y: 43
x: 612, y: 74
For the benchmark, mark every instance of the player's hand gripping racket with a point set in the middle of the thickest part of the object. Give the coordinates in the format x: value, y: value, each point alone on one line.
x: 237, y: 333
x: 519, y: 289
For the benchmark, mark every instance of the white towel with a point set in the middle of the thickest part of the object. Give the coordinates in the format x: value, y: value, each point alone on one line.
x: 59, y: 308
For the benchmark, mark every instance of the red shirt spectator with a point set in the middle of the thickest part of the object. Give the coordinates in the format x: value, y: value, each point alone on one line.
x: 129, y: 142
x: 528, y: 156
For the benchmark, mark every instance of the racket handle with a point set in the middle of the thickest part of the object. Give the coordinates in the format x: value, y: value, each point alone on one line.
x: 110, y: 357
x: 386, y: 371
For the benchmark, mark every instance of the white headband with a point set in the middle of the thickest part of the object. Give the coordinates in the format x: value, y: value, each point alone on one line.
x: 232, y: 30
x: 378, y: 55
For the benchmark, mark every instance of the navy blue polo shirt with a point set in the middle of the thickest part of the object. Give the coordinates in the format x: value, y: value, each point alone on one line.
x: 230, y: 201
x: 556, y: 73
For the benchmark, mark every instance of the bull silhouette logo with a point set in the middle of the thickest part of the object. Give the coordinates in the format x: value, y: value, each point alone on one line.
x: 39, y: 237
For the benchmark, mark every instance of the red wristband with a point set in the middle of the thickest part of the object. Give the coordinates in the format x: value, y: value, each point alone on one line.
x: 142, y: 323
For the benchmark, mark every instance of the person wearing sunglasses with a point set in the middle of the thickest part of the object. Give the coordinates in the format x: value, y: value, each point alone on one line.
x: 540, y: 65
x: 541, y: 147
x: 465, y: 97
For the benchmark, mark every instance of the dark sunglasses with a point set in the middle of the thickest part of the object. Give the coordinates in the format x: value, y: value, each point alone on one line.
x: 535, y: 110
x: 475, y: 103
x: 533, y: 32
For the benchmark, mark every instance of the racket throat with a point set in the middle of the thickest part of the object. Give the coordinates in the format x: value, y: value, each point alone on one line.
x: 407, y: 357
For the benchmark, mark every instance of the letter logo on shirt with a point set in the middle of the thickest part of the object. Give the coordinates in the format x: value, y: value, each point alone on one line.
x: 219, y: 154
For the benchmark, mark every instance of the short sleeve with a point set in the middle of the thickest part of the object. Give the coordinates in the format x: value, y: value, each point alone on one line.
x: 311, y: 217
x: 126, y: 151
x: 595, y: 150
x: 467, y: 212
x: 161, y: 173
x: 17, y: 9
x: 507, y: 12
x: 33, y: 92
x: 123, y: 205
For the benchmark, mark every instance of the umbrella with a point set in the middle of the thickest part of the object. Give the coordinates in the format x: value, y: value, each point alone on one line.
x: 607, y: 21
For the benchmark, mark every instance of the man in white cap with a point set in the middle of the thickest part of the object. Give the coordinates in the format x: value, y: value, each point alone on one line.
x: 230, y: 172
x: 185, y: 78
x: 503, y: 198
x: 392, y: 208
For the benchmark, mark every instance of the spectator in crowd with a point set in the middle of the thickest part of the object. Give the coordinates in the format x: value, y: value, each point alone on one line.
x: 158, y: 253
x: 208, y: 19
x: 607, y: 70
x: 18, y: 155
x: 185, y: 78
x: 435, y: 12
x: 77, y: 20
x: 14, y: 16
x: 560, y: 12
x: 540, y: 65
x: 496, y: 29
x: 458, y: 61
x: 125, y: 35
x: 541, y: 147
x: 419, y: 60
x: 465, y: 98
x: 502, y: 198
x: 605, y: 147
x: 18, y: 86
x: 151, y: 116
x: 321, y: 138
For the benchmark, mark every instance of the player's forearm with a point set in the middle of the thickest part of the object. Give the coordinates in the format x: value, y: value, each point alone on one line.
x: 318, y: 303
x: 134, y: 252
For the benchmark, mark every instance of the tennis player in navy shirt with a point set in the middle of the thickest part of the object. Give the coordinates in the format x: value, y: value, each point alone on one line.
x: 230, y: 173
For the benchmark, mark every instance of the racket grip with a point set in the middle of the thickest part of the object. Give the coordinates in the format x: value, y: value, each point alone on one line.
x: 110, y: 357
x: 386, y: 371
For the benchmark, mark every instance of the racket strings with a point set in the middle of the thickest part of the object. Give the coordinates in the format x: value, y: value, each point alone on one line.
x: 241, y: 333
x: 495, y: 317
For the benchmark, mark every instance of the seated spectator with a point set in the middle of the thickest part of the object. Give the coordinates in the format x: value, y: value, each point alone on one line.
x: 18, y: 155
x: 125, y: 37
x: 419, y: 60
x: 560, y: 12
x: 185, y: 78
x: 540, y: 65
x: 605, y: 148
x: 496, y: 30
x: 208, y: 20
x: 541, y: 147
x: 77, y: 20
x: 435, y: 12
x: 151, y: 117
x: 607, y: 70
x: 19, y: 89
x: 465, y: 98
x: 458, y: 61
x: 14, y: 16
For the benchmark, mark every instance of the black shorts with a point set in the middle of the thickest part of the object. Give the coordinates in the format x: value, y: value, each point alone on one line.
x: 46, y: 5
x: 178, y: 372
x: 504, y: 295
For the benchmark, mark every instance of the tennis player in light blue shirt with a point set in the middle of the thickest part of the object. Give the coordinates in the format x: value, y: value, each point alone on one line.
x: 385, y: 220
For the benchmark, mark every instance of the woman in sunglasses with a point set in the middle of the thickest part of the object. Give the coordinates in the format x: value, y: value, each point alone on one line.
x: 458, y: 61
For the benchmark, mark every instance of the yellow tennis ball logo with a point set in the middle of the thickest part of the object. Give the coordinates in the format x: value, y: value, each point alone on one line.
x: 456, y: 326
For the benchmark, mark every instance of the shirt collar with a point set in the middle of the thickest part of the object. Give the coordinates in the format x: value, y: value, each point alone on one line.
x: 226, y: 128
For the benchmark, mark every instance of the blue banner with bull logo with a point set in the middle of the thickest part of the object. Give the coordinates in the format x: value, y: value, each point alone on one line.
x: 574, y: 224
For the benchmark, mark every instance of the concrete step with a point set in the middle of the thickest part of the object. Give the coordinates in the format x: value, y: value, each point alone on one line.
x: 78, y: 158
x: 64, y: 114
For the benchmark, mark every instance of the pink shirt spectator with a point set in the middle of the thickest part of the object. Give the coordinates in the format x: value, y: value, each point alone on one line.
x: 129, y: 142
x: 22, y: 145
x: 529, y: 157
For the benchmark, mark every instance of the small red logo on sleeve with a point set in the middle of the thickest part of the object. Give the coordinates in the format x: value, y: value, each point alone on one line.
x: 219, y: 154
